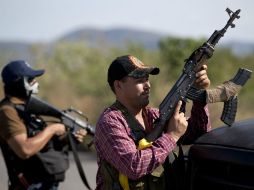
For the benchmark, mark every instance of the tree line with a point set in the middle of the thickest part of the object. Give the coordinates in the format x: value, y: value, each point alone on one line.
x: 76, y: 74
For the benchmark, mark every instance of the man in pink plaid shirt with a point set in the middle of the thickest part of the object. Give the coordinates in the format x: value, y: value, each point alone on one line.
x: 128, y: 120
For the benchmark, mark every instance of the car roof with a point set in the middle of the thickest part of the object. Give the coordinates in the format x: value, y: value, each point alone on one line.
x: 239, y: 135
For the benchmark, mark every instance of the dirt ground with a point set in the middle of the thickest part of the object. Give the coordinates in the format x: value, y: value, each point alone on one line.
x: 73, y: 180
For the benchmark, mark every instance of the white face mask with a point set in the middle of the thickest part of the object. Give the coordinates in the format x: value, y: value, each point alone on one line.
x: 31, y: 88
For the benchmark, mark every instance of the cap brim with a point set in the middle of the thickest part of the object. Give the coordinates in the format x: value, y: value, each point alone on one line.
x: 34, y: 73
x: 154, y: 71
x: 139, y: 73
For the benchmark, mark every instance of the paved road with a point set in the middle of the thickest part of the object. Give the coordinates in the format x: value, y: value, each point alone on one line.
x: 73, y: 181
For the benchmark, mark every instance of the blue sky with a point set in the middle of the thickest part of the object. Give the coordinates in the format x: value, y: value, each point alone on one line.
x: 46, y: 20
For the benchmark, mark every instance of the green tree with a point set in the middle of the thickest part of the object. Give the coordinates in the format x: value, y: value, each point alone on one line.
x: 174, y: 52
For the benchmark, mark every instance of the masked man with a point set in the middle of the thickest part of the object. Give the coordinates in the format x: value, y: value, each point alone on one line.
x: 35, y: 153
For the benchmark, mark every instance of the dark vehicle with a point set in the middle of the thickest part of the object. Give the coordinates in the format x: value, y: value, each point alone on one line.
x: 223, y: 159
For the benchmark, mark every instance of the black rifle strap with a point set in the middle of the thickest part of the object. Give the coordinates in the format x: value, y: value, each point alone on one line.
x: 174, y: 166
x: 77, y: 160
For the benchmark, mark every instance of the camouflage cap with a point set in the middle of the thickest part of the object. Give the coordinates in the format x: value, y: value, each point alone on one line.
x: 129, y: 65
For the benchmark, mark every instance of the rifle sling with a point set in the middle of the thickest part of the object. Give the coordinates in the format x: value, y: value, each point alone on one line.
x: 77, y: 161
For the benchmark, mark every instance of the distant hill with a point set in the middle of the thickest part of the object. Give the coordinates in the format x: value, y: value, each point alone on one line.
x: 15, y: 50
x: 118, y: 37
x: 240, y: 48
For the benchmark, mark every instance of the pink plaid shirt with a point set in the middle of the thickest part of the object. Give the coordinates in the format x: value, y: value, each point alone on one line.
x: 114, y: 142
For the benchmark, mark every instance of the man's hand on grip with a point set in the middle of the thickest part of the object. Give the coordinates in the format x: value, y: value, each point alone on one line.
x: 177, y: 125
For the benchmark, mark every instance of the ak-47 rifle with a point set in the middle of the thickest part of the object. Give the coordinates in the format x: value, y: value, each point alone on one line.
x: 182, y: 86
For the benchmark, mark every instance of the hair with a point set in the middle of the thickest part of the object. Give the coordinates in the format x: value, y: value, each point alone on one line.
x: 16, y: 89
x: 112, y: 87
x: 112, y: 84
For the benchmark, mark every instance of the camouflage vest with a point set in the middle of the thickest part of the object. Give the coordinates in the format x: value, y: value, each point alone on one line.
x: 153, y: 181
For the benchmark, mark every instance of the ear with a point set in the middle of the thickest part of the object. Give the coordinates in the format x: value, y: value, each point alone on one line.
x: 117, y: 85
